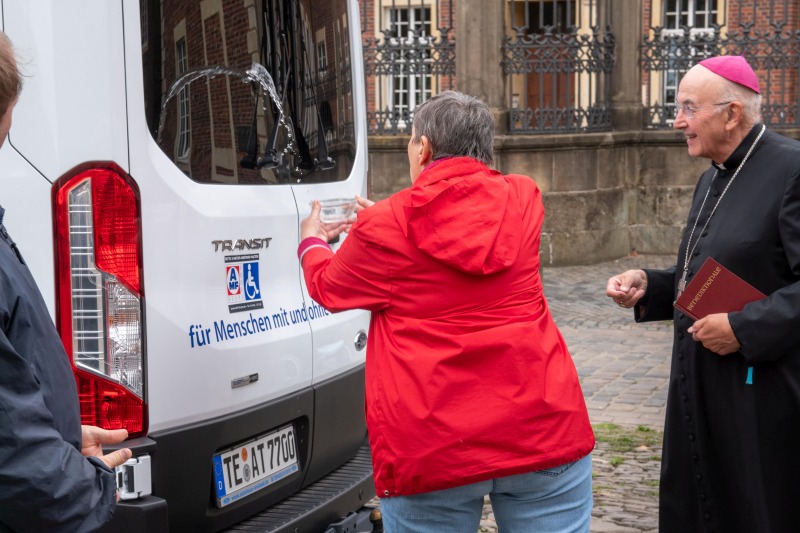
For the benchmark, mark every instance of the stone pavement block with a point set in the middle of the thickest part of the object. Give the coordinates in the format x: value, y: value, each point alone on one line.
x: 600, y: 525
x: 624, y: 370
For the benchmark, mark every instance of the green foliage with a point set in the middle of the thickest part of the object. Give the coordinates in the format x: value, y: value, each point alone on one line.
x: 623, y: 440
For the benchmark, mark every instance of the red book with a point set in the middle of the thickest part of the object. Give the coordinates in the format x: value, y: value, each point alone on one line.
x: 715, y: 289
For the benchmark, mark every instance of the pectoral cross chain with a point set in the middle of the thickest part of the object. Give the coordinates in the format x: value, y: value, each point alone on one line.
x: 682, y: 282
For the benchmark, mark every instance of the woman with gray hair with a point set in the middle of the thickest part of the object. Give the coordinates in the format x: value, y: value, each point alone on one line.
x: 470, y: 388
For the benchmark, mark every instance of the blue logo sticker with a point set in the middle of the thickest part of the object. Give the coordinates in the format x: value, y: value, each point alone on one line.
x: 242, y: 283
x: 252, y: 287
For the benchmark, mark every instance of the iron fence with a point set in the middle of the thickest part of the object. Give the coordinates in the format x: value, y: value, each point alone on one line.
x: 409, y: 55
x: 558, y: 58
x: 685, y: 32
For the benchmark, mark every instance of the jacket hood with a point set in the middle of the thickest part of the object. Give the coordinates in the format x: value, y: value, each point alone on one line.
x: 463, y: 214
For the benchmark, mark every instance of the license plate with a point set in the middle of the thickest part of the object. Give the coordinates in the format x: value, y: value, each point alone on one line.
x: 254, y: 465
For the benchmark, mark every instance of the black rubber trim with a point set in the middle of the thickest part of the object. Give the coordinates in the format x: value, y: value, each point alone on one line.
x: 328, y: 414
x: 321, y: 503
x: 139, y: 446
x: 145, y: 514
x: 339, y: 425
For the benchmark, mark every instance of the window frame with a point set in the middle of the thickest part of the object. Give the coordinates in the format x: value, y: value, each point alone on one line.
x: 407, y: 91
x: 670, y: 78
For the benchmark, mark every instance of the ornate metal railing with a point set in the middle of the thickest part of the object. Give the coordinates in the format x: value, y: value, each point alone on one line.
x: 558, y: 57
x: 409, y: 55
x: 769, y: 41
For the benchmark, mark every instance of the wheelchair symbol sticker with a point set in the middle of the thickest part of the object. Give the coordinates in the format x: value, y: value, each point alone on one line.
x: 242, y: 283
x: 252, y: 289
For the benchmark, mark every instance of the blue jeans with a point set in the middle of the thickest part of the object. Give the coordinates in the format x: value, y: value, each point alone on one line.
x: 556, y: 500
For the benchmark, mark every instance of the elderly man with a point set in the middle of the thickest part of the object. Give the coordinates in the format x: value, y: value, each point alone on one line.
x: 47, y: 483
x: 730, y: 456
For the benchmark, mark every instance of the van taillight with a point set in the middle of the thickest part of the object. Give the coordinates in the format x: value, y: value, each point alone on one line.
x: 99, y: 292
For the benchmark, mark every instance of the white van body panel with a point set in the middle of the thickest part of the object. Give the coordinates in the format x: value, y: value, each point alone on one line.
x: 64, y: 117
x: 73, y: 105
x: 185, y: 292
x: 28, y: 217
x: 332, y: 353
x: 84, y: 120
x: 208, y: 370
x: 184, y: 285
x: 68, y: 115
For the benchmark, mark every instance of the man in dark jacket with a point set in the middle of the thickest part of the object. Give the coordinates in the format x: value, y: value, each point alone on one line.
x: 53, y: 476
x: 733, y: 413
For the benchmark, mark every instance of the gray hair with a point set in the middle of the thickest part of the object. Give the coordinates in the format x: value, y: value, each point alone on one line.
x: 750, y: 100
x: 456, y: 125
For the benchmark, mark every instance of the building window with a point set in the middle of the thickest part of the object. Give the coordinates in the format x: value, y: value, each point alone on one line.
x: 556, y: 16
x: 410, y: 85
x: 184, y: 126
x: 322, y: 57
x: 696, y: 16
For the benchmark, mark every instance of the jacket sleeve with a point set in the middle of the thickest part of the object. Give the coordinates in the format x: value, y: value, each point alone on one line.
x: 767, y: 329
x: 45, y: 482
x: 355, y: 277
x: 657, y: 302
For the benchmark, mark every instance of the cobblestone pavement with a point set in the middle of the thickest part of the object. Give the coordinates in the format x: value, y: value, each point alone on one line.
x: 623, y: 366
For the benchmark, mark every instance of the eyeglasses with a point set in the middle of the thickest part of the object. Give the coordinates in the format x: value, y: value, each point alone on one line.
x: 689, y: 110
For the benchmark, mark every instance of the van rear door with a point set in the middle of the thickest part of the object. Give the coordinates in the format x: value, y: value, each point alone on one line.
x: 248, y: 116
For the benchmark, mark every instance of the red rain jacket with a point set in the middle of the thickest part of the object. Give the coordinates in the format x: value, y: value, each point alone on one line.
x: 467, y: 376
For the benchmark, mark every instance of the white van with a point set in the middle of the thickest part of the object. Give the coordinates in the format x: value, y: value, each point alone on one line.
x: 161, y: 157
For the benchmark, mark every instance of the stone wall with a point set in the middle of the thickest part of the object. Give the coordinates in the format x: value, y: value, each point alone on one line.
x: 606, y: 195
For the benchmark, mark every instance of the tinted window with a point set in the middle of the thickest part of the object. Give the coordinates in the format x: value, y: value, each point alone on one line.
x: 250, y: 91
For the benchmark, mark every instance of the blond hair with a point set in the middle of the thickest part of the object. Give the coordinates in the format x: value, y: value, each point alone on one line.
x: 10, y: 76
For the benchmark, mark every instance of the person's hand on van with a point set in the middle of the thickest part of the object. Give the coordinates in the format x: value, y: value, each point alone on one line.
x: 312, y: 226
x: 93, y: 438
x: 363, y: 203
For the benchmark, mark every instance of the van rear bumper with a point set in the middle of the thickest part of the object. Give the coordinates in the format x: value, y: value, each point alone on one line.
x: 145, y: 514
x: 345, y: 489
x: 341, y: 492
x: 335, y: 475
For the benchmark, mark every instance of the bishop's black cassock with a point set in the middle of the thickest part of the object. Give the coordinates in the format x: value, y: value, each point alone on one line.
x: 731, y: 458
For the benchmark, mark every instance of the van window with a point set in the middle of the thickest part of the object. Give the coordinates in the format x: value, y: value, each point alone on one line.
x: 250, y: 92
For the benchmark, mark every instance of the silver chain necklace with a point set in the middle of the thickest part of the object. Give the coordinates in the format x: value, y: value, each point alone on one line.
x: 689, y: 246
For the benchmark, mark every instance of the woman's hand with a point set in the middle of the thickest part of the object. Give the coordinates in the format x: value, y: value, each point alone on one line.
x: 312, y: 226
x: 363, y: 203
